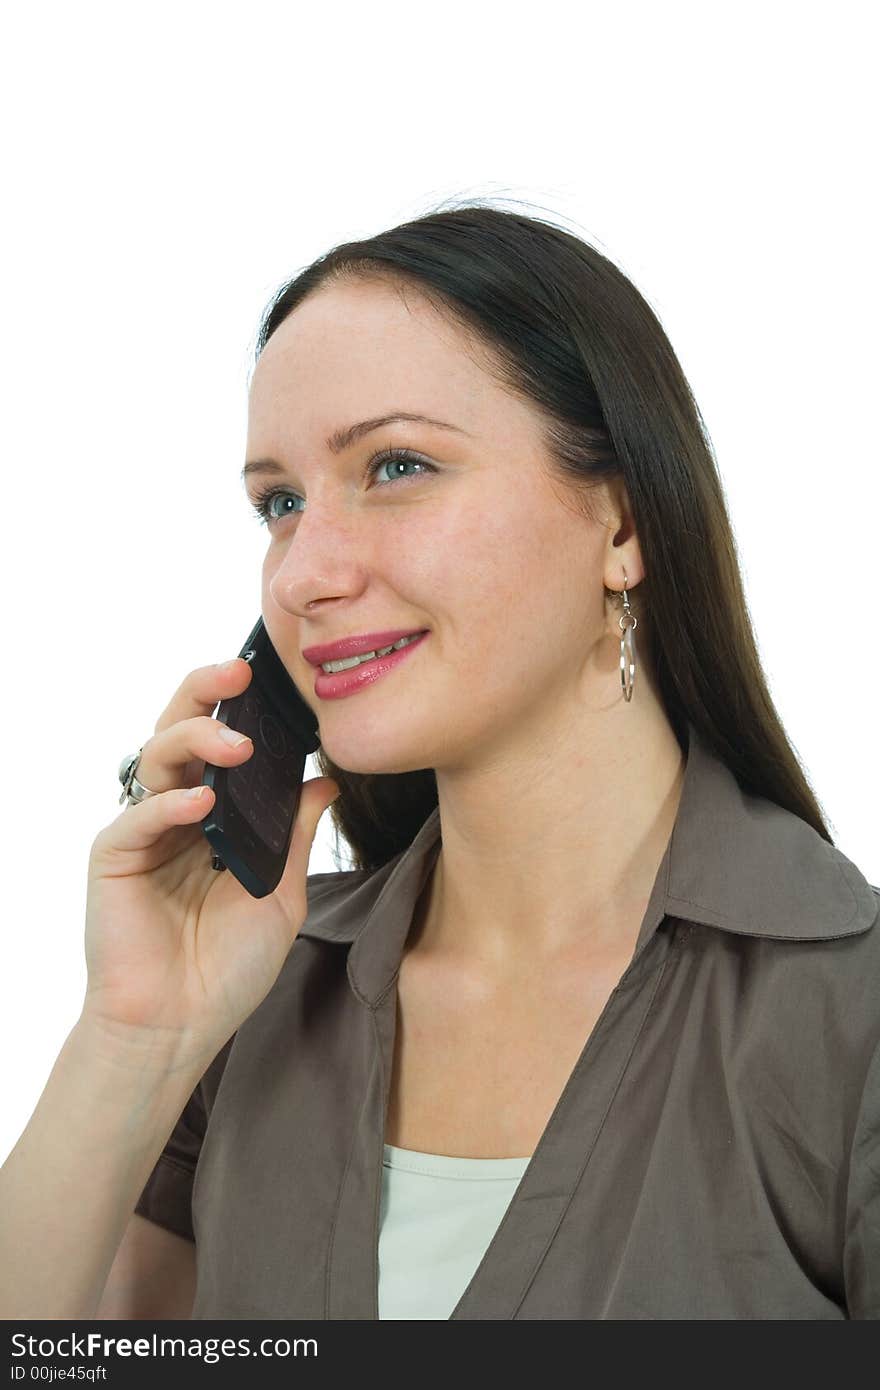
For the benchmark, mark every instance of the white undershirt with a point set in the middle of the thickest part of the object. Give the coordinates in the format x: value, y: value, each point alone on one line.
x: 437, y: 1215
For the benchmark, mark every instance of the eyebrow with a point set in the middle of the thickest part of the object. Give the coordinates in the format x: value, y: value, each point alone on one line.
x: 343, y: 439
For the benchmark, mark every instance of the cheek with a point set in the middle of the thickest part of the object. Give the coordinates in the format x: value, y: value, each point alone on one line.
x: 513, y: 561
x: 460, y: 563
x: 515, y: 578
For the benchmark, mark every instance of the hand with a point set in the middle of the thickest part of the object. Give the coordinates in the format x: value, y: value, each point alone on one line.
x: 177, y: 952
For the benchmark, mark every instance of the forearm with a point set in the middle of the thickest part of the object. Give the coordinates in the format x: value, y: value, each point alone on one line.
x: 68, y: 1188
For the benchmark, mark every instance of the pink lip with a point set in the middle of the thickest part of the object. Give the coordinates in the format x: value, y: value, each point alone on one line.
x: 355, y: 646
x: 359, y: 677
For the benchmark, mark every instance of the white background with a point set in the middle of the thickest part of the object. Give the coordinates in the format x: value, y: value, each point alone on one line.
x: 166, y: 167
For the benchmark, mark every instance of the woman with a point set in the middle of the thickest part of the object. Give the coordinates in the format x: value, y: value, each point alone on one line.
x: 589, y: 1029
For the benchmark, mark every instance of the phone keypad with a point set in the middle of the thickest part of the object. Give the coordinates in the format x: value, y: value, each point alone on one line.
x: 266, y: 788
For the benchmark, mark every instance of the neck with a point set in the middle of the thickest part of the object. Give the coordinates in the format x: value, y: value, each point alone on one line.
x: 556, y: 848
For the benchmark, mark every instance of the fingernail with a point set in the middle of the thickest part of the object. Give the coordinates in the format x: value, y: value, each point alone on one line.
x: 232, y: 736
x: 227, y: 665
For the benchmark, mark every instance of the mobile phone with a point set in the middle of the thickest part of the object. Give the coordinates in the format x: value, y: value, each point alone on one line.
x: 250, y: 824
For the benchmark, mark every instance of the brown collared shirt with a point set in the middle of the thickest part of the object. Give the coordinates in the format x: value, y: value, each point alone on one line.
x: 715, y: 1152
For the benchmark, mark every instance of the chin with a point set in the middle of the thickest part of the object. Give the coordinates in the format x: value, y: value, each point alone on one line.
x: 391, y: 765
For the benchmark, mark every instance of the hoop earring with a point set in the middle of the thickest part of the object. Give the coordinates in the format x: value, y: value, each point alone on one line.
x: 628, y: 625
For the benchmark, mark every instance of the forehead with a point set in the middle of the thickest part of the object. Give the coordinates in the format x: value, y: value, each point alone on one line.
x: 351, y: 351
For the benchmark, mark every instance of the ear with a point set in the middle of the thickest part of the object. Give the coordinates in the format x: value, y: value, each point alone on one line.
x: 623, y: 555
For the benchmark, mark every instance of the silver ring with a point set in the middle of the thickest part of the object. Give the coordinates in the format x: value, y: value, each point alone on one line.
x: 133, y: 791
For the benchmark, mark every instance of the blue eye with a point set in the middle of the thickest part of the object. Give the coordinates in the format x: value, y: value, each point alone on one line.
x: 262, y: 503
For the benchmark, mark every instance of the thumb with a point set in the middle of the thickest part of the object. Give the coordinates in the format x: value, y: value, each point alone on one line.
x: 315, y: 796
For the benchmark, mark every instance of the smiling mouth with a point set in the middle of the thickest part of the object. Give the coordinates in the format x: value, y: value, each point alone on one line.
x: 350, y: 662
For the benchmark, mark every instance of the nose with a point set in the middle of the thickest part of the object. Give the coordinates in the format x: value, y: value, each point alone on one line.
x: 327, y: 556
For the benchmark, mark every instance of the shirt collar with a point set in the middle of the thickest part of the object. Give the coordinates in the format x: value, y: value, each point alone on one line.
x: 734, y: 861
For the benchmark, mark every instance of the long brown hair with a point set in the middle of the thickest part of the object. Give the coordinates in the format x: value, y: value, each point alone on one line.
x: 563, y: 327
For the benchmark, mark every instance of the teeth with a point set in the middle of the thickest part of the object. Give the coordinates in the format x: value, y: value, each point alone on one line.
x: 349, y: 662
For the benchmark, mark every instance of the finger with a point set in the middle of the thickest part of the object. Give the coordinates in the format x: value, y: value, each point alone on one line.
x: 177, y: 757
x: 138, y: 827
x: 202, y: 689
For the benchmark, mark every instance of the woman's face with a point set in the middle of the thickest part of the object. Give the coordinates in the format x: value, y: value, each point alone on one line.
x: 479, y: 547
